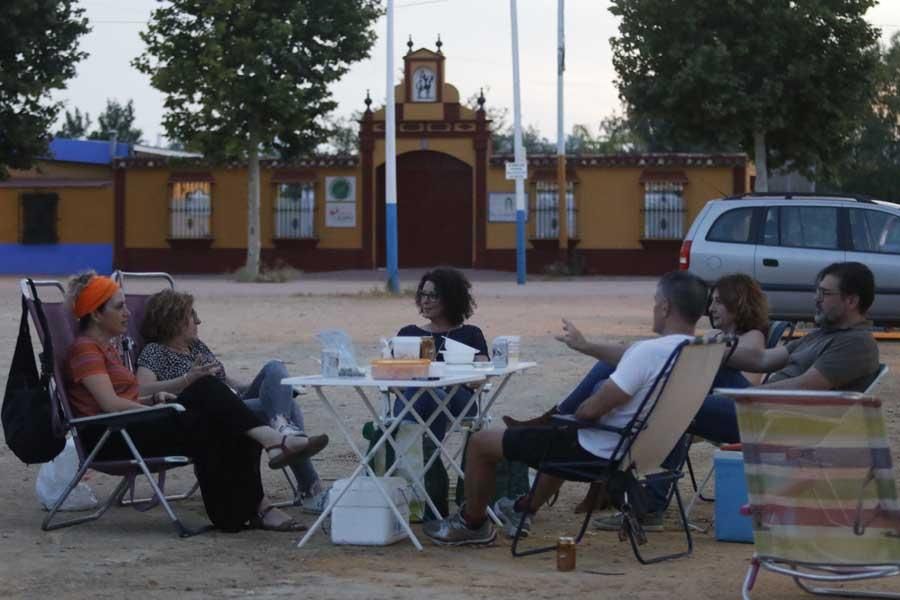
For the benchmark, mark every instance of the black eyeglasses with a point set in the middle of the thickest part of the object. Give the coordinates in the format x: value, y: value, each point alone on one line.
x: 428, y: 296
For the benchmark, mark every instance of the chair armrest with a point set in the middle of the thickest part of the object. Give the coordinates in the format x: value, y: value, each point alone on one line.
x: 126, y: 417
x: 571, y: 421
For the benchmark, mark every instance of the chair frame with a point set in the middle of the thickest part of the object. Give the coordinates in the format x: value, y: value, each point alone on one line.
x: 603, y: 470
x: 115, y: 423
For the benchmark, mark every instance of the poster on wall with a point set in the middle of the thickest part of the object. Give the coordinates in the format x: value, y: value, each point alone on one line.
x: 340, y: 214
x: 340, y: 189
x: 502, y: 207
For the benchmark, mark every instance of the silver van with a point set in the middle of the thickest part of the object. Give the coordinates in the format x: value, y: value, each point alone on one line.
x: 784, y: 240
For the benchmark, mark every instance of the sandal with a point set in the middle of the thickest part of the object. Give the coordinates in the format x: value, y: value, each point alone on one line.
x: 258, y: 521
x: 314, y: 445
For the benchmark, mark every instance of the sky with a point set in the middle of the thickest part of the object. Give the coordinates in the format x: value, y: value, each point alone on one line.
x: 477, y: 47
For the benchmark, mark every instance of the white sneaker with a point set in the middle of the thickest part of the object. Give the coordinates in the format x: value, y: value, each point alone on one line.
x: 285, y: 427
x: 315, y: 504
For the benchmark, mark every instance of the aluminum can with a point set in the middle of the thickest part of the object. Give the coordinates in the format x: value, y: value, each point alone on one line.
x: 500, y: 352
x: 565, y: 554
x: 331, y: 363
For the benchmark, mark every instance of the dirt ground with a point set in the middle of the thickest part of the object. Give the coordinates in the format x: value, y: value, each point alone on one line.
x: 134, y: 554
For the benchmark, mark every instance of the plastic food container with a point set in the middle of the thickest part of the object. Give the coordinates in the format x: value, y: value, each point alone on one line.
x: 406, y: 368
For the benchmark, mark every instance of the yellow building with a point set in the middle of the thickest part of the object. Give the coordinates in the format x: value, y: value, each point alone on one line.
x: 626, y: 213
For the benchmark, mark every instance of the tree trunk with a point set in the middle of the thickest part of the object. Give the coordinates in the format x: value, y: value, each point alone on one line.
x: 253, y: 241
x: 762, y: 170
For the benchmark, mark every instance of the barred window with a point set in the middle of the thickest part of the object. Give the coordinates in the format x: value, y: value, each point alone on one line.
x: 546, y: 210
x: 295, y: 211
x: 663, y: 210
x: 190, y: 209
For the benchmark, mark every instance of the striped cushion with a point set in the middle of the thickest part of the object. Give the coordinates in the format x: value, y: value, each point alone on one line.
x: 820, y: 478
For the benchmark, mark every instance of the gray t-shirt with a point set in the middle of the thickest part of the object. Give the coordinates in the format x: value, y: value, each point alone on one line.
x: 847, y: 358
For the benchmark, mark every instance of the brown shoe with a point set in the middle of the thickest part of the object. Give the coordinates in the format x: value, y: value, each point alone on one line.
x: 541, y: 421
x: 596, y: 499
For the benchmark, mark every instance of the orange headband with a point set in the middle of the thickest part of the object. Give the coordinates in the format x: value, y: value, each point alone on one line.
x: 98, y: 290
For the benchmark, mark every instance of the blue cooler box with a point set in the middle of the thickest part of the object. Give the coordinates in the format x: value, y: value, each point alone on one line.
x: 731, y: 495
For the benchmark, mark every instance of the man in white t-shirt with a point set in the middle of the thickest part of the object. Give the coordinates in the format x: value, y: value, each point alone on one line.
x: 679, y: 302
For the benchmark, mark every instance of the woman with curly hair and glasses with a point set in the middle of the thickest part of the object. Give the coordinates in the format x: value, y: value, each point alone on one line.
x: 444, y: 299
x: 175, y: 356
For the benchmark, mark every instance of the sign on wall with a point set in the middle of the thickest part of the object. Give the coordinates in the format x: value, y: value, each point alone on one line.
x: 502, y: 207
x: 340, y: 189
x: 340, y: 201
x: 340, y: 214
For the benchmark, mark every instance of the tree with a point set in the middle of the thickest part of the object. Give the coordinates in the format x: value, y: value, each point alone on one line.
x: 76, y: 125
x: 343, y: 135
x: 117, y: 119
x: 38, y: 53
x: 243, y: 77
x: 786, y: 81
x: 872, y: 166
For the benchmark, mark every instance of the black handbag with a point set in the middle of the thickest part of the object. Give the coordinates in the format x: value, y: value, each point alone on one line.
x: 27, y: 413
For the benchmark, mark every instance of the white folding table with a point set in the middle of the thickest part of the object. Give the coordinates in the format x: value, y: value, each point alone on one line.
x: 451, y: 382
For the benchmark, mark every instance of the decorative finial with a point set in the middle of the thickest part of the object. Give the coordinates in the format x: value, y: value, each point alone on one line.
x: 439, y: 43
x: 481, y: 99
x: 409, y: 43
x: 368, y: 102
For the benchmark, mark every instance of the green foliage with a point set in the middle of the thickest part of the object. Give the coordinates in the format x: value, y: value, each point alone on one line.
x: 76, y: 125
x: 118, y: 118
x: 343, y: 135
x: 242, y: 72
x: 38, y: 53
x: 801, y: 72
x: 872, y: 166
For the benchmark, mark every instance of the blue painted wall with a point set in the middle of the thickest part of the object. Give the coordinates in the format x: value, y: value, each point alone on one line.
x: 55, y: 259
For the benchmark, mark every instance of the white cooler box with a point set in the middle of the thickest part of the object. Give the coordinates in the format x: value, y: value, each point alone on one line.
x: 363, y: 517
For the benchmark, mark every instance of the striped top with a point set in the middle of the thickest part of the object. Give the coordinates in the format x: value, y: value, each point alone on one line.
x: 88, y: 357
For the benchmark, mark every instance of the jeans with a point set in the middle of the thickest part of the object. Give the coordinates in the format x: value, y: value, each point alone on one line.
x: 425, y: 406
x: 599, y: 373
x: 268, y: 399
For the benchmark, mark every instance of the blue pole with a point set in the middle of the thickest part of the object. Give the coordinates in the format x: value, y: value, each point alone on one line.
x: 520, y: 247
x: 390, y: 211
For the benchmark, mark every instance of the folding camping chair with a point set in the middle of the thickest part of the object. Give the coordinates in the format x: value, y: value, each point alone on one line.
x: 658, y: 425
x: 56, y: 330
x: 823, y: 500
x: 698, y: 490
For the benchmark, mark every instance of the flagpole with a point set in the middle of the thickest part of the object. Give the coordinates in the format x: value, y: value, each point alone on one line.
x: 561, y: 188
x: 390, y: 159
x: 519, y: 150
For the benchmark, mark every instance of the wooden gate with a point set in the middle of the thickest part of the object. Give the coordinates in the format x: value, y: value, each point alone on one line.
x: 434, y: 211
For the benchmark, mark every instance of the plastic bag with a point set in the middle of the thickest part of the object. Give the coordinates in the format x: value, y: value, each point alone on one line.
x: 339, y: 341
x: 54, y: 476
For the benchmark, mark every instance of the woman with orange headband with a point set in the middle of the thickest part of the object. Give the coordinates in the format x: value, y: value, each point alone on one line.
x: 221, y: 435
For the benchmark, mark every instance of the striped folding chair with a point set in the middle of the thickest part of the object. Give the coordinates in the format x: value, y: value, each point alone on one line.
x: 823, y: 501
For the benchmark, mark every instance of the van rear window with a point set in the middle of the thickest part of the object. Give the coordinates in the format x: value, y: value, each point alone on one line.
x: 732, y: 226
